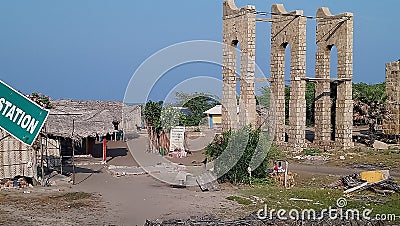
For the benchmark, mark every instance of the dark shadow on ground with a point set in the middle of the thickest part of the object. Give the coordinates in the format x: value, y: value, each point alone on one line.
x: 68, y: 170
x: 111, y: 152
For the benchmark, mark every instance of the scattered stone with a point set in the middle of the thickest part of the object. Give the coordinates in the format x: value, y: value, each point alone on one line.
x: 208, y: 182
x: 255, y: 219
x: 380, y: 145
x: 354, y: 182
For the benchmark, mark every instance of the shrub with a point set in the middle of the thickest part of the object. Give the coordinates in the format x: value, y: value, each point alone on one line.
x: 234, y: 152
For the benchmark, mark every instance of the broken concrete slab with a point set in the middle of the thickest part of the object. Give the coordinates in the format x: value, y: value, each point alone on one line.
x: 208, y: 182
x: 380, y: 145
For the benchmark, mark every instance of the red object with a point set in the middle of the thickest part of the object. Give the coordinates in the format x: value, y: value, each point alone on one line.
x: 104, y: 149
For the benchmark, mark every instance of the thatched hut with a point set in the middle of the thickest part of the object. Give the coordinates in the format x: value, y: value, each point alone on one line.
x: 81, y: 121
x: 72, y: 118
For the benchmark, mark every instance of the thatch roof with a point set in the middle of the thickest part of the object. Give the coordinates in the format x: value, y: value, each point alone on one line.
x: 90, y: 117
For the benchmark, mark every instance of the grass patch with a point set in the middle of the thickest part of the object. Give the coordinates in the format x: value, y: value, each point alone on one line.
x: 279, y: 198
x: 240, y: 200
x: 73, y: 196
x: 368, y: 156
x: 276, y: 197
x: 312, y: 151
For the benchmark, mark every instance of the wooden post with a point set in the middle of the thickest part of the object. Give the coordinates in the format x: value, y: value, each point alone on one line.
x: 73, y: 152
x: 41, y: 161
x: 73, y: 161
x: 87, y: 145
x: 104, y: 149
x: 286, y: 172
x: 59, y: 151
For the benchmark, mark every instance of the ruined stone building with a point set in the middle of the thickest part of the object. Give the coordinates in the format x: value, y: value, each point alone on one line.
x: 289, y: 29
x: 391, y: 125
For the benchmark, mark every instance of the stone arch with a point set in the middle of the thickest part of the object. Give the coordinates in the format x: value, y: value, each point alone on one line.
x: 289, y: 28
x: 239, y: 26
x: 334, y: 30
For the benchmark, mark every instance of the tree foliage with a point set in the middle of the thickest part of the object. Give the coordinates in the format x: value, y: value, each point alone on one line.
x: 369, y: 94
x: 197, y: 103
x: 240, y: 145
x: 310, y: 103
x: 42, y: 100
x: 154, y: 123
x: 265, y: 98
x: 369, y: 104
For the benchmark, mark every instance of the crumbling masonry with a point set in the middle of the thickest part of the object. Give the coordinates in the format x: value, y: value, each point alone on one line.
x: 289, y: 29
x: 391, y: 125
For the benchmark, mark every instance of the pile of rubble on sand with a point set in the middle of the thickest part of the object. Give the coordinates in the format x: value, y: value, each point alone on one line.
x: 16, y: 182
x: 253, y: 220
x: 356, y: 182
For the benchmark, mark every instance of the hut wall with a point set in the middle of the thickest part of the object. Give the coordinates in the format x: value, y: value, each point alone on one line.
x: 52, y: 155
x: 16, y: 158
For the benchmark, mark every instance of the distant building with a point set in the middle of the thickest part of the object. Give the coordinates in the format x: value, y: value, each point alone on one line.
x: 214, y: 116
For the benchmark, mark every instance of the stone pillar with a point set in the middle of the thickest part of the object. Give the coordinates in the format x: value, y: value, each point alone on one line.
x: 337, y: 30
x: 391, y: 124
x: 289, y: 28
x: 247, y: 100
x: 229, y: 106
x: 323, y: 101
x: 239, y: 26
x: 278, y: 91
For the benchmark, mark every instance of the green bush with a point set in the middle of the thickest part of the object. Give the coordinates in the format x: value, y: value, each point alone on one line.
x: 234, y: 152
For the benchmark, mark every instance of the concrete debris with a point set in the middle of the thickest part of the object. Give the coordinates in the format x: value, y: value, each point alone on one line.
x: 354, y: 182
x: 126, y: 170
x: 311, y: 157
x: 54, y: 179
x: 254, y: 220
x: 208, y: 182
x: 296, y: 199
x: 380, y: 145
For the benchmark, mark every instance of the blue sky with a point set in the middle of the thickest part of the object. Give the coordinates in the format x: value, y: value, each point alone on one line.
x: 89, y: 49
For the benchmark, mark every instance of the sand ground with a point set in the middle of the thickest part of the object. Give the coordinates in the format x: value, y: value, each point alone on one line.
x: 126, y: 200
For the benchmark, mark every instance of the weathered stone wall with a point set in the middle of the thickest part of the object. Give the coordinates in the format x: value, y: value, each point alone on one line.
x: 239, y: 27
x: 289, y: 29
x: 391, y: 125
x: 334, y: 30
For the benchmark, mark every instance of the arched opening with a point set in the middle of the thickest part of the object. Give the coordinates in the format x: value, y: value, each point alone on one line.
x: 237, y: 56
x: 333, y: 67
x: 333, y: 61
x: 287, y: 67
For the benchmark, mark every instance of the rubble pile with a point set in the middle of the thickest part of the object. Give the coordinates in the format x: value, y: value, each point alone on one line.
x: 17, y: 182
x: 354, y: 182
x: 254, y: 220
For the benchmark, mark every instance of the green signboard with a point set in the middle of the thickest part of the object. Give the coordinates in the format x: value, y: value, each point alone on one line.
x: 20, y: 116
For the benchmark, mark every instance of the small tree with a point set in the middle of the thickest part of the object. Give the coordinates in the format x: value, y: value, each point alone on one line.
x: 42, y: 100
x: 159, y: 121
x: 234, y: 152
